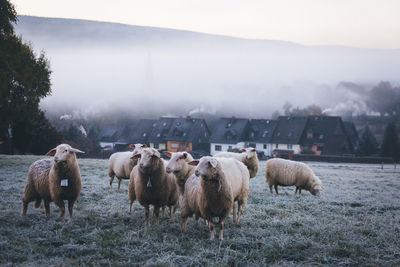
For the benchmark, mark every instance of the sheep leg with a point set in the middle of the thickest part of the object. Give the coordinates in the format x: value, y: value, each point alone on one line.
x: 119, y: 183
x: 111, y: 180
x: 170, y: 211
x: 183, y: 224
x: 61, y: 205
x: 146, y: 212
x: 234, y: 212
x: 299, y: 191
x: 276, y: 189
x: 156, y: 213
x: 270, y: 188
x: 163, y: 210
x: 211, y: 226
x: 47, y: 208
x: 221, y: 230
x: 130, y: 206
x: 240, y: 210
x: 24, y: 207
x: 295, y: 192
x: 70, y: 206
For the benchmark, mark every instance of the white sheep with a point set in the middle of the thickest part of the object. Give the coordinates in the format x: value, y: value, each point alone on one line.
x: 179, y: 166
x: 55, y: 179
x: 288, y: 173
x: 151, y: 185
x: 248, y: 157
x: 121, y: 164
x: 208, y: 194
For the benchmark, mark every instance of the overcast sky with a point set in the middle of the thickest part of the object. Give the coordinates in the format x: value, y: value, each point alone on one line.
x: 358, y: 23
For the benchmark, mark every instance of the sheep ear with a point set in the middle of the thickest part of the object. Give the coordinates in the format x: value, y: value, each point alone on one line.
x: 213, y: 162
x: 168, y: 153
x: 157, y: 154
x: 194, y: 163
x: 51, y: 152
x: 135, y: 156
x: 243, y: 150
x: 144, y: 145
x: 184, y: 155
x: 75, y: 150
x: 132, y: 146
x: 253, y: 150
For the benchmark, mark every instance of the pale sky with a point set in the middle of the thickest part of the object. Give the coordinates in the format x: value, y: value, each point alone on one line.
x: 357, y: 23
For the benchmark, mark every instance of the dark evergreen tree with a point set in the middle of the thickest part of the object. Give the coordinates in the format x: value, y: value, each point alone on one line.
x: 368, y: 145
x: 390, y: 145
x: 24, y: 81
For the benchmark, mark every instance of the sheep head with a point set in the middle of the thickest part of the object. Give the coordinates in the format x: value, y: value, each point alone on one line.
x: 250, y: 152
x: 148, y: 157
x: 178, y: 161
x: 63, y: 153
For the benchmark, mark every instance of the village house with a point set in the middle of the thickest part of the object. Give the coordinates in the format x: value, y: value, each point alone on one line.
x: 260, y: 135
x: 229, y: 133
x: 109, y: 137
x: 158, y: 136
x: 286, y: 138
x: 139, y: 132
x: 325, y: 135
x: 187, y: 134
x: 352, y: 133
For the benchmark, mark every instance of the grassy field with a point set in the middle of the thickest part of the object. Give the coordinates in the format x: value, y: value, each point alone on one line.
x: 356, y: 221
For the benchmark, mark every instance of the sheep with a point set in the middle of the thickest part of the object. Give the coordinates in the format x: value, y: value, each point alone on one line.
x: 150, y: 184
x: 286, y: 173
x: 248, y: 157
x: 54, y: 180
x: 209, y: 192
x: 121, y: 164
x: 179, y: 166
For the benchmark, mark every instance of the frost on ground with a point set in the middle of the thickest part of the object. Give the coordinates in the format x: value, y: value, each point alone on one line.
x: 356, y: 221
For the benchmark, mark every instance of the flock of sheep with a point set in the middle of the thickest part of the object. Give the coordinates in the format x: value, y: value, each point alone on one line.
x: 211, y: 187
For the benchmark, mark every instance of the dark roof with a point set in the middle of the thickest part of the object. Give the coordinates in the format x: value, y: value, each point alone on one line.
x: 230, y: 131
x: 261, y: 131
x: 289, y: 130
x: 351, y: 132
x: 139, y: 133
x: 160, y: 130
x: 111, y: 133
x: 328, y: 131
x: 189, y: 130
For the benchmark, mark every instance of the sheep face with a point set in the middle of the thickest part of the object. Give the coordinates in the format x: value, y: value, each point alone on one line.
x: 177, y: 161
x: 148, y: 158
x: 63, y: 153
x: 137, y: 148
x: 316, y: 189
x: 206, y: 168
x: 250, y: 152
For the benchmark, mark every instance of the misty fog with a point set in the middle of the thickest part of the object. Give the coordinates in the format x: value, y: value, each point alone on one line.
x: 99, y: 67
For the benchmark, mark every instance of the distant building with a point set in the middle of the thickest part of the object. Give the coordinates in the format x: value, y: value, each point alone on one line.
x: 229, y: 133
x: 158, y: 136
x: 286, y: 138
x: 325, y: 135
x: 187, y: 134
x: 139, y: 133
x: 260, y: 135
x: 109, y: 137
x: 352, y: 133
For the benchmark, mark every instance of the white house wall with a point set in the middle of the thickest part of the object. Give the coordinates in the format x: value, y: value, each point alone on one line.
x: 225, y: 147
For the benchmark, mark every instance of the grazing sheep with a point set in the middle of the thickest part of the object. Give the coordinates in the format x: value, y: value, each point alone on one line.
x: 248, y: 157
x: 151, y: 185
x: 55, y: 179
x: 121, y: 164
x: 286, y: 173
x: 208, y: 193
x: 179, y: 166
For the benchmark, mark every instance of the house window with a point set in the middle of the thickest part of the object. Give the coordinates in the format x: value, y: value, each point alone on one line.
x: 144, y: 134
x: 164, y: 124
x: 265, y: 134
x: 218, y: 148
x: 278, y: 134
x: 321, y: 136
x: 229, y: 147
x: 319, y: 148
x: 187, y: 145
x: 265, y: 146
x: 184, y: 134
x: 158, y: 135
x: 290, y: 134
x: 276, y: 146
x: 267, y: 121
x: 174, y: 145
x: 252, y: 134
x: 156, y: 145
x: 309, y: 135
x: 289, y: 146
